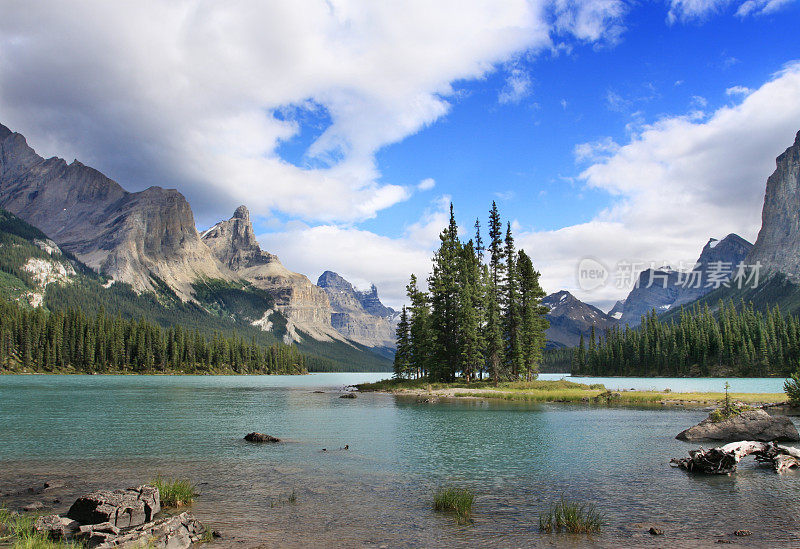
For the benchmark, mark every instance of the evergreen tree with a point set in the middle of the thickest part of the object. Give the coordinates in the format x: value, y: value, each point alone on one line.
x: 402, y: 357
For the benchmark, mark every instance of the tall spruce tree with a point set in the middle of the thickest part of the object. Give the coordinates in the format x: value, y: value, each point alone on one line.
x: 495, y: 346
x: 419, y: 330
x: 402, y: 357
x: 534, y: 321
x: 512, y: 321
x: 443, y: 285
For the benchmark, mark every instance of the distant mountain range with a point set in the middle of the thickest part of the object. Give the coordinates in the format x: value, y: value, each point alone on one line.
x: 777, y: 250
x: 149, y: 241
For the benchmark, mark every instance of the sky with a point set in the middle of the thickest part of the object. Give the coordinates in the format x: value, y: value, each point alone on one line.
x: 625, y: 132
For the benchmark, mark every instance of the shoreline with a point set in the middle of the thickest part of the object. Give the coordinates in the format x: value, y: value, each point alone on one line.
x: 563, y: 391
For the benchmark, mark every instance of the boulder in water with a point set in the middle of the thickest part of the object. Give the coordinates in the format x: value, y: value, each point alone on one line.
x: 748, y: 425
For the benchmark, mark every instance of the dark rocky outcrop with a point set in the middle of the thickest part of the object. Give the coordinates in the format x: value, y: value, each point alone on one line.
x: 748, y: 425
x: 128, y: 236
x: 348, y: 395
x: 778, y: 241
x: 570, y: 318
x: 359, y: 315
x: 260, y: 437
x: 121, y: 508
x: 305, y: 306
x: 122, y: 518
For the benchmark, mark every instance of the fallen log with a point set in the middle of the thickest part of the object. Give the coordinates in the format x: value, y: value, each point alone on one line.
x: 723, y: 460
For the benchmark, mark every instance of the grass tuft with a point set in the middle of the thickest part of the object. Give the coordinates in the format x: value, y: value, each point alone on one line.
x: 18, y: 531
x: 455, y: 500
x: 174, y: 492
x: 571, y: 517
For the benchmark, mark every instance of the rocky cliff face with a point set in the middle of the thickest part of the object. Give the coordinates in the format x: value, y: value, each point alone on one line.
x: 305, y: 306
x: 777, y: 247
x: 128, y: 236
x: 665, y: 289
x: 357, y: 315
x: 570, y: 318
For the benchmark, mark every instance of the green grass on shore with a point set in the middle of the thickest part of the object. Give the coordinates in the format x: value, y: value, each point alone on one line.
x: 174, y: 492
x: 571, y: 517
x: 561, y: 391
x: 17, y: 531
x: 458, y: 501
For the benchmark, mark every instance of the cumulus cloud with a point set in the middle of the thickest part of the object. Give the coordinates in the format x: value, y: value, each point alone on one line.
x: 361, y: 256
x: 678, y: 182
x: 201, y: 96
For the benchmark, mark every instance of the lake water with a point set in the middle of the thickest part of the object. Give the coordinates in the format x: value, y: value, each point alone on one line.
x: 114, y: 431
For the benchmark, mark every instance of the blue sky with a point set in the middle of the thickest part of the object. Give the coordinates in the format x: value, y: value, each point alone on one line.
x: 624, y: 131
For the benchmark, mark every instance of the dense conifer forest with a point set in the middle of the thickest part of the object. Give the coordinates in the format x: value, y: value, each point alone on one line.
x: 34, y: 340
x: 734, y: 341
x: 478, y: 318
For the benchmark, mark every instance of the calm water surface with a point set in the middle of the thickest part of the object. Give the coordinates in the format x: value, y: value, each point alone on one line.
x: 113, y: 431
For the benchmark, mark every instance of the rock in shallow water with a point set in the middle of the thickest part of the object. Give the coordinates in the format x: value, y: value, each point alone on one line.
x: 260, y: 437
x: 749, y: 425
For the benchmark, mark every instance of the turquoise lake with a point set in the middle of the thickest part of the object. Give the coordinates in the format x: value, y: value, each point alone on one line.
x: 113, y: 431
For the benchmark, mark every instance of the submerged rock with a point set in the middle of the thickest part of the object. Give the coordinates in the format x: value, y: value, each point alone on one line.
x: 260, y: 437
x: 748, y: 425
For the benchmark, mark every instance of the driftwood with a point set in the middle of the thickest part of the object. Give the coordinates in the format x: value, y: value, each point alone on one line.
x: 724, y: 459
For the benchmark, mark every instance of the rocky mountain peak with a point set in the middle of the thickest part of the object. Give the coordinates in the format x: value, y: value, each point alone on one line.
x: 570, y: 318
x: 778, y: 241
x: 234, y: 242
x: 334, y: 281
x: 4, y: 132
x: 242, y: 213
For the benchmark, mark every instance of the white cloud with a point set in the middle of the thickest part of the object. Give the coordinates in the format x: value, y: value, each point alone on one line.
x: 518, y: 86
x: 738, y: 90
x: 760, y: 7
x: 688, y: 10
x: 426, y: 184
x: 676, y: 183
x: 361, y: 256
x: 196, y: 95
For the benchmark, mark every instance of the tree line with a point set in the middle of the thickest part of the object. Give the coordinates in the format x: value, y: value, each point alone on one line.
x: 70, y: 340
x: 736, y: 341
x: 478, y: 318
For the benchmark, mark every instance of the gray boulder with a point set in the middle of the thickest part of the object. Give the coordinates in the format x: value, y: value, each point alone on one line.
x: 57, y: 527
x: 177, y: 532
x: 260, y: 437
x: 749, y: 425
x: 120, y: 508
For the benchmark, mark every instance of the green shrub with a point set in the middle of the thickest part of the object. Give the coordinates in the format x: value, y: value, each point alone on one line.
x: 792, y: 388
x: 455, y: 500
x: 575, y: 518
x: 174, y: 492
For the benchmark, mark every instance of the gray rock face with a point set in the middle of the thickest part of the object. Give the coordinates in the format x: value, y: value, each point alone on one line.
x: 570, y: 318
x: 749, y: 425
x: 128, y: 236
x: 358, y: 315
x: 305, y: 306
x: 665, y: 289
x: 120, y: 508
x: 123, y: 519
x: 778, y: 244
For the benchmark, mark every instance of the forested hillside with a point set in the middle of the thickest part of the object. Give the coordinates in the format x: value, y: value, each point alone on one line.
x: 734, y: 340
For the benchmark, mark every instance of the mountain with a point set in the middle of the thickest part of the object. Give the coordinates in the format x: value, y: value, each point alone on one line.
x: 777, y: 247
x: 570, y: 317
x: 132, y: 237
x: 616, y: 310
x: 359, y: 315
x: 140, y: 254
x: 305, y: 306
x: 665, y: 289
